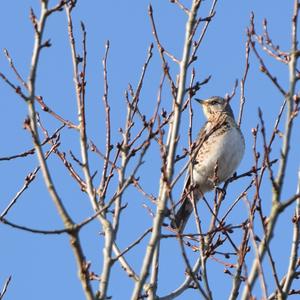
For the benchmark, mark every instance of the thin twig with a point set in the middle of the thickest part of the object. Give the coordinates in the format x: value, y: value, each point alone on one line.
x: 4, y: 290
x: 243, y: 81
x: 108, y: 146
x: 12, y: 65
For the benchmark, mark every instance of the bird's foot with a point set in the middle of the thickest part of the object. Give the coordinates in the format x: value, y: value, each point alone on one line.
x: 220, y: 190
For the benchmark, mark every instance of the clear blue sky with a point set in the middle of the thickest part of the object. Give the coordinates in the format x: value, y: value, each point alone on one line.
x: 43, y: 267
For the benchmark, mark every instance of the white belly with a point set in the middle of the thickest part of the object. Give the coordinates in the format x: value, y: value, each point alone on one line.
x: 224, y: 151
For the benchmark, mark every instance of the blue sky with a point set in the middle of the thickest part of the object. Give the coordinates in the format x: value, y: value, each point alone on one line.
x: 43, y: 266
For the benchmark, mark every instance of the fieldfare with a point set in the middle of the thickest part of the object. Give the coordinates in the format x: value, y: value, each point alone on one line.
x: 218, y: 151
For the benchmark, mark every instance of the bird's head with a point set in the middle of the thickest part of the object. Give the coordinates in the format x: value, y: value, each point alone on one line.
x: 215, y: 105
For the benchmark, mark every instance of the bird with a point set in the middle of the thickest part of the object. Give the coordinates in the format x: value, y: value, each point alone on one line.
x: 217, y: 152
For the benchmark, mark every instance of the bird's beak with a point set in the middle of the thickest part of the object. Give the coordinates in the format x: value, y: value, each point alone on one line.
x: 200, y: 101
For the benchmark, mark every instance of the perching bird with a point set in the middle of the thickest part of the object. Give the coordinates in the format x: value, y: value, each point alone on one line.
x: 218, y: 151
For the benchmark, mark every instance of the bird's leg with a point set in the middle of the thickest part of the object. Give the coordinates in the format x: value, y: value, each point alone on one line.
x: 220, y: 190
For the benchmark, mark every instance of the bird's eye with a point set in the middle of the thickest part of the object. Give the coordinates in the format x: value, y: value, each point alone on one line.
x: 213, y: 102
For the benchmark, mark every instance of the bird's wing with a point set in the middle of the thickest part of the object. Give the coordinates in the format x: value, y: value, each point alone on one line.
x: 186, y: 207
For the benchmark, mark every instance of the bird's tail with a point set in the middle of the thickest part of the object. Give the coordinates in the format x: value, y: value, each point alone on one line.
x: 182, y: 215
